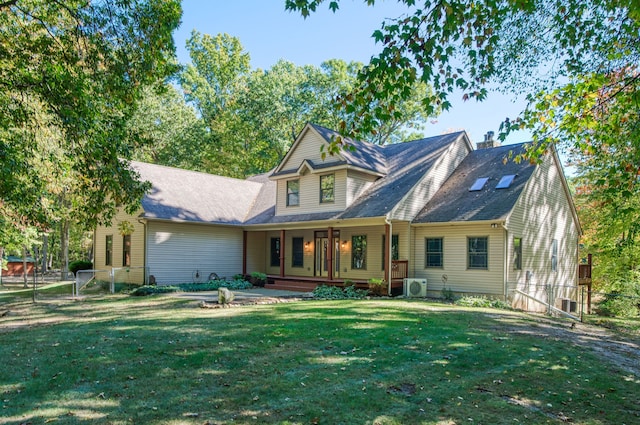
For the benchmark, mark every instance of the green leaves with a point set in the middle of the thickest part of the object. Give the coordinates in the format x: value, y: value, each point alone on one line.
x: 70, y: 78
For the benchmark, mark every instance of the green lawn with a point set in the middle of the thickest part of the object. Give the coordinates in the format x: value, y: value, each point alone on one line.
x: 159, y: 360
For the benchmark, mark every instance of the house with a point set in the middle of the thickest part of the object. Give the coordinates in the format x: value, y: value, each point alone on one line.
x: 468, y: 221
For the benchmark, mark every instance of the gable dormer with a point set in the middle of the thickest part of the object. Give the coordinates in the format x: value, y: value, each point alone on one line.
x: 307, y: 183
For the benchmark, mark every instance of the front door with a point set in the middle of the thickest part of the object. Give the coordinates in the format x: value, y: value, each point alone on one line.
x: 321, y: 265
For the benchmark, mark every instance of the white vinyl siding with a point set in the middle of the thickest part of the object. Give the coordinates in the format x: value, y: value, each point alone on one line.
x: 177, y: 250
x: 542, y: 214
x: 455, y: 274
x: 417, y: 198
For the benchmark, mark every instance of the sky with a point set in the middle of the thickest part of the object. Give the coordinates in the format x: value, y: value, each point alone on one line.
x: 269, y: 33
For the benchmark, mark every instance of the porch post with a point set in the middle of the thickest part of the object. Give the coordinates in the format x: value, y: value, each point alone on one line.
x: 244, y: 252
x: 330, y: 255
x: 282, y: 235
x: 387, y: 239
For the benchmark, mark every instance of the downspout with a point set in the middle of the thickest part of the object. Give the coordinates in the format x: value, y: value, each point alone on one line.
x: 144, y: 251
x: 390, y: 256
x: 506, y: 262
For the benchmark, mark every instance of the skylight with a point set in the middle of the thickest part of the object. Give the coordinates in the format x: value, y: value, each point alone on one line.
x: 479, y: 184
x: 505, y: 181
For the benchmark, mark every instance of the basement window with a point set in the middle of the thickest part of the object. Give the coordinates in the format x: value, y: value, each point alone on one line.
x: 505, y: 181
x: 479, y: 184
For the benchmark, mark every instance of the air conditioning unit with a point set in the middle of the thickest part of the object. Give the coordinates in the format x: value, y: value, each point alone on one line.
x: 415, y: 287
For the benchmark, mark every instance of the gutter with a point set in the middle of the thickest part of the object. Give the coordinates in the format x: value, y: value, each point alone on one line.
x: 145, y: 254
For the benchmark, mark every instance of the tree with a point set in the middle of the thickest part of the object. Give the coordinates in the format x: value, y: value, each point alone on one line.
x: 71, y: 75
x: 577, y: 61
x: 560, y: 51
x: 168, y: 130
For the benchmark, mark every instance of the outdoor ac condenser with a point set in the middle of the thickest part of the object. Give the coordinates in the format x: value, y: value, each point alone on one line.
x: 415, y: 287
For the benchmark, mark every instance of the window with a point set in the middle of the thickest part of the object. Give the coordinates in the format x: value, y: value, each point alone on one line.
x: 359, y: 252
x: 517, y: 253
x: 327, y: 184
x: 554, y: 255
x: 126, y: 250
x: 433, y: 253
x: 293, y: 193
x: 478, y: 256
x: 275, y: 252
x: 395, y: 254
x: 479, y: 184
x: 108, y: 250
x: 297, y: 246
x: 505, y: 181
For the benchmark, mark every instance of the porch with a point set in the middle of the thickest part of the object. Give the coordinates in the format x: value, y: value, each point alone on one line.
x: 399, y: 271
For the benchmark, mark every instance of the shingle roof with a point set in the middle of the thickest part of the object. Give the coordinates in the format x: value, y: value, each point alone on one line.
x: 405, y: 164
x: 183, y: 195
x: 364, y: 155
x: 455, y: 203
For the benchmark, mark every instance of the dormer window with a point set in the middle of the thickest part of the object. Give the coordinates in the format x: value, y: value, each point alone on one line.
x: 293, y: 193
x: 327, y: 185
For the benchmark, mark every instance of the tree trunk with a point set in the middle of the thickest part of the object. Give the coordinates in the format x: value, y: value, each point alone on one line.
x: 24, y: 265
x: 45, y: 241
x: 64, y: 250
x: 1, y: 260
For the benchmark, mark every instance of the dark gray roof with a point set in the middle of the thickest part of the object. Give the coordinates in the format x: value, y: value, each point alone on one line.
x: 406, y: 164
x: 184, y: 195
x: 363, y: 155
x: 455, y: 203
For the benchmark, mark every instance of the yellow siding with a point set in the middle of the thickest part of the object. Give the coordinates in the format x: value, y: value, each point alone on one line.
x: 417, y: 198
x: 543, y: 213
x: 308, y: 147
x: 256, y: 260
x: 357, y: 183
x: 310, y: 195
x: 135, y: 274
x: 458, y: 277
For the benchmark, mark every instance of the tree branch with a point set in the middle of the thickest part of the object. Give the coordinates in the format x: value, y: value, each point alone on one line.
x: 8, y: 3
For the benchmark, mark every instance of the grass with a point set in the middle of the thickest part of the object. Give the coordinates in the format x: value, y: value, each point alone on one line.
x: 159, y: 360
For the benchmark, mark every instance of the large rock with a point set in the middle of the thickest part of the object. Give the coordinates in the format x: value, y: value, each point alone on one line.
x: 225, y: 296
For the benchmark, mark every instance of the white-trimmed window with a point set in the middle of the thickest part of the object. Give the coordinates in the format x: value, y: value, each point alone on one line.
x: 327, y: 186
x: 478, y: 253
x: 293, y: 193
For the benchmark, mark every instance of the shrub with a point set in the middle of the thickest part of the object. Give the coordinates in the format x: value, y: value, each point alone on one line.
x: 74, y: 266
x: 377, y: 287
x: 448, y: 295
x: 214, y: 285
x: 482, y: 302
x: 336, y: 293
x: 618, y: 305
x: 142, y: 291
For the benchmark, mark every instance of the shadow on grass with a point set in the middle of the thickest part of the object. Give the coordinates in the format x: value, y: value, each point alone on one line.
x: 159, y: 360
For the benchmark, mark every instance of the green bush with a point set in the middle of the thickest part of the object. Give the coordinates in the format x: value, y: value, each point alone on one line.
x: 336, y: 293
x: 142, y: 291
x: 214, y: 285
x: 618, y: 305
x: 74, y: 266
x: 448, y: 295
x: 482, y: 302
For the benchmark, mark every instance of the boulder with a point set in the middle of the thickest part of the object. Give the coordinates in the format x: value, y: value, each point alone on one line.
x: 225, y: 296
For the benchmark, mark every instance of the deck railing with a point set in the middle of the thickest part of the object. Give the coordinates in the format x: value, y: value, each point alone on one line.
x: 399, y: 269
